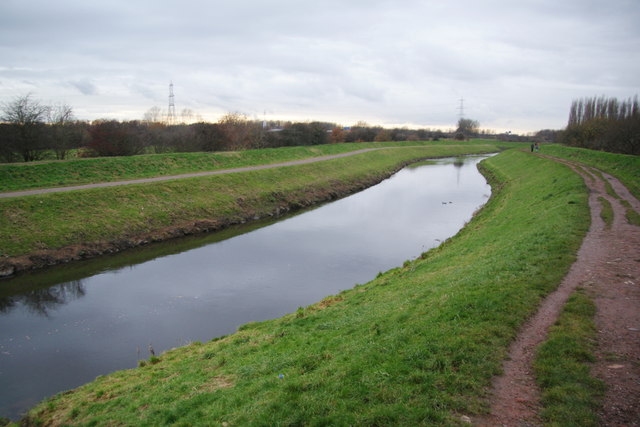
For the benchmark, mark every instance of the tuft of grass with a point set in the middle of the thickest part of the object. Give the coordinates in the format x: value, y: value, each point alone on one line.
x: 607, y: 185
x: 415, y: 346
x: 570, y: 396
x: 606, y: 212
x: 632, y: 216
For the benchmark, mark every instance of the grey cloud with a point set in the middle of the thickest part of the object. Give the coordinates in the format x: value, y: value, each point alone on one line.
x: 381, y: 60
x: 85, y: 86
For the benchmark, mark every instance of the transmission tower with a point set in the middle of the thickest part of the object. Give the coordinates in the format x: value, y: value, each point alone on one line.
x: 171, y: 112
x: 461, y: 108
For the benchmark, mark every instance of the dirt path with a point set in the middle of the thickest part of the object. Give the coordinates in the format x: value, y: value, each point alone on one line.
x: 608, y: 265
x: 187, y: 175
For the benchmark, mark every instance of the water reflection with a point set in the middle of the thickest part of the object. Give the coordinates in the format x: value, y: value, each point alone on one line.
x: 41, y: 301
x: 64, y: 326
x: 112, y: 262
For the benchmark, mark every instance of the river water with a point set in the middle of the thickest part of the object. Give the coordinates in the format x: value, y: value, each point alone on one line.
x: 62, y: 327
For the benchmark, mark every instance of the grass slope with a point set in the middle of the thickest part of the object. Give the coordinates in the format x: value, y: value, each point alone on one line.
x: 14, y: 177
x: 84, y: 171
x: 416, y: 346
x: 624, y: 167
x: 51, y: 221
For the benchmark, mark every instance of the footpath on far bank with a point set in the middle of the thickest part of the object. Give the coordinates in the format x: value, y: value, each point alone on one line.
x: 187, y: 175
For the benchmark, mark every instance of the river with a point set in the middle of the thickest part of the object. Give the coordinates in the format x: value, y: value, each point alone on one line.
x: 62, y: 327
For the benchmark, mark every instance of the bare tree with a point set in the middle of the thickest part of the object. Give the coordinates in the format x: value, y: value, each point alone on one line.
x: 153, y: 114
x: 27, y: 117
x: 113, y: 138
x: 64, y: 133
x: 23, y: 110
x: 187, y: 115
x: 239, y: 132
x: 467, y: 128
x: 60, y: 114
x: 337, y: 134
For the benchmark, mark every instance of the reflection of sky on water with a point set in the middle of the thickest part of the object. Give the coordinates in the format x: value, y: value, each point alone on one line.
x: 106, y: 321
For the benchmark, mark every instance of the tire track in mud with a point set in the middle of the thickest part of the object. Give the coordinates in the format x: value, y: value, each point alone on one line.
x: 608, y: 266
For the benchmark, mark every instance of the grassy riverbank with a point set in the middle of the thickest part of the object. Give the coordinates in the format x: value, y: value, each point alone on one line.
x: 23, y: 176
x: 416, y: 346
x: 133, y: 214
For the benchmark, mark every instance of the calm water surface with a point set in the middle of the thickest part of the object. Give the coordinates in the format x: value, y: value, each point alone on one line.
x: 63, y: 327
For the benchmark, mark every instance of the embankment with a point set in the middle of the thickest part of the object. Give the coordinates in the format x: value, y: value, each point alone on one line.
x: 48, y: 229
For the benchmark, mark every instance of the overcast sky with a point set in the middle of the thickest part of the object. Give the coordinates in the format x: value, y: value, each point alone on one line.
x: 517, y: 64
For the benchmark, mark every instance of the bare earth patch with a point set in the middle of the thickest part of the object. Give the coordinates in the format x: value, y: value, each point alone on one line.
x: 608, y: 266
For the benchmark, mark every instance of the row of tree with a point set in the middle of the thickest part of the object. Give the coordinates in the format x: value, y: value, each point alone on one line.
x: 29, y: 130
x: 602, y: 123
x: 231, y: 133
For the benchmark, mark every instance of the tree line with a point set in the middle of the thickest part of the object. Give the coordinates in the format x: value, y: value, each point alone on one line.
x: 30, y: 130
x: 602, y: 123
x: 28, y: 127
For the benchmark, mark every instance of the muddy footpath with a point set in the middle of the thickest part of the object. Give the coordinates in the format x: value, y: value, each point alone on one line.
x: 608, y: 268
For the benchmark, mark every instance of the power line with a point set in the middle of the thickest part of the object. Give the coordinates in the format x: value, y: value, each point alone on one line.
x: 461, y: 108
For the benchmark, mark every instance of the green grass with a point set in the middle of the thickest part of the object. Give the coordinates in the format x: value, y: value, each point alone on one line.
x: 606, y: 213
x: 14, y: 177
x: 50, y: 221
x: 418, y: 345
x: 83, y: 171
x: 607, y: 185
x: 624, y: 167
x: 570, y: 395
x: 632, y: 216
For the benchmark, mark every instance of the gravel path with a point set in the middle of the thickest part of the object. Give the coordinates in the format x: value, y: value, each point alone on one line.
x: 187, y: 175
x: 608, y: 265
